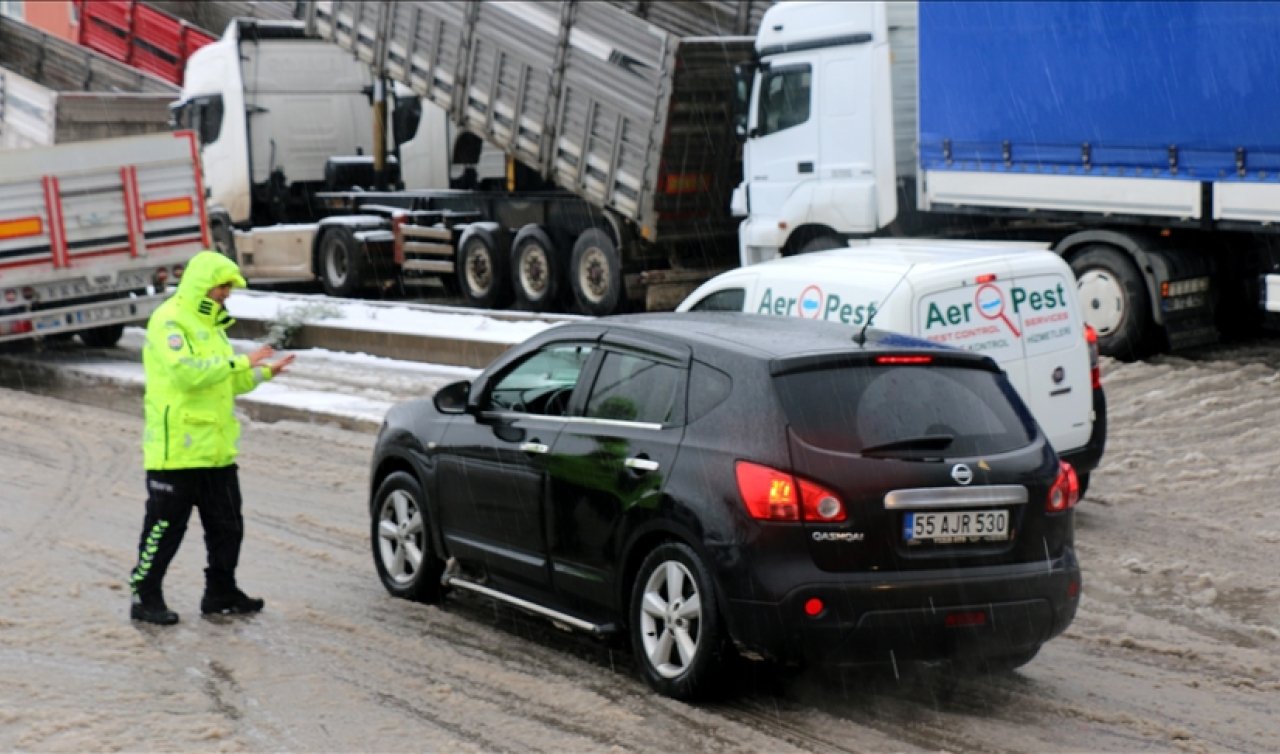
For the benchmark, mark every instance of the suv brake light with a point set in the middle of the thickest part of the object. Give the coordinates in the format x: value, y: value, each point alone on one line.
x: 773, y: 495
x: 904, y: 360
x: 1095, y: 369
x: 1065, y: 492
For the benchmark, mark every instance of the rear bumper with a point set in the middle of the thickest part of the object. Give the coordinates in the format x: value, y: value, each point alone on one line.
x: 1086, y: 458
x: 927, y: 615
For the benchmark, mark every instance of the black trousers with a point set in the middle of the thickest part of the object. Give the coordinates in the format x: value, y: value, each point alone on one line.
x: 170, y: 497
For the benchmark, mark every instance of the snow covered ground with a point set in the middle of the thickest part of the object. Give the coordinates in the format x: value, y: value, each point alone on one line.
x: 1176, y: 646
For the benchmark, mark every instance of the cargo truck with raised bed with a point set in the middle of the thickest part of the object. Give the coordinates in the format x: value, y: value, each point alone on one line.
x: 1138, y: 139
x: 618, y: 134
x: 91, y: 233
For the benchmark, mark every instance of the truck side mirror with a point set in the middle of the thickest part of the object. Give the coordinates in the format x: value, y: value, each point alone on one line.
x: 743, y: 76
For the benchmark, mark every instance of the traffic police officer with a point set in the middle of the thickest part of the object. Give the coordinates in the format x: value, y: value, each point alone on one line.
x: 192, y: 438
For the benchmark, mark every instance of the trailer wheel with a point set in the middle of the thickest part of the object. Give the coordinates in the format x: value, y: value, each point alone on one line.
x: 1115, y: 300
x: 595, y: 273
x: 482, y: 267
x: 342, y: 263
x: 102, y: 337
x: 535, y: 269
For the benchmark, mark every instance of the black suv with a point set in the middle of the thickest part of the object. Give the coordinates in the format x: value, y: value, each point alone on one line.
x: 711, y: 483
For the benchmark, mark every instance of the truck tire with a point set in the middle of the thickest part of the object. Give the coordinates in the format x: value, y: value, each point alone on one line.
x: 1115, y: 301
x: 482, y: 265
x: 342, y: 264
x: 822, y: 243
x: 595, y: 273
x: 102, y: 337
x: 536, y: 269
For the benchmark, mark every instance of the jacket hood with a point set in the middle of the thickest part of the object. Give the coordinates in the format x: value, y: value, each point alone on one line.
x: 206, y: 270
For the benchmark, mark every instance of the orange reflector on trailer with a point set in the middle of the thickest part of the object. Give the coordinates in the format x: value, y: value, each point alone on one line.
x: 21, y: 227
x: 162, y: 208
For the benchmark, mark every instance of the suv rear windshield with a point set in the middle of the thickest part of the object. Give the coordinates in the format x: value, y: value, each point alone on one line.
x: 906, y: 411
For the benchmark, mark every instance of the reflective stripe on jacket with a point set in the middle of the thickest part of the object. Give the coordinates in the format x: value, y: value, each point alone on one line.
x: 193, y: 375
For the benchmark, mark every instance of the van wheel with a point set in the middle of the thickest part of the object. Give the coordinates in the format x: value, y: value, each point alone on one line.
x: 1115, y: 301
x: 595, y: 273
x: 535, y: 270
x: 342, y: 263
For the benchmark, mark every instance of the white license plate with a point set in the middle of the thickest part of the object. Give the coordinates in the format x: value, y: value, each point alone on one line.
x: 956, y: 526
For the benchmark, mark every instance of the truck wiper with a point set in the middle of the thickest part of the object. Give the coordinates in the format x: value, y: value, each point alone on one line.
x: 923, y: 442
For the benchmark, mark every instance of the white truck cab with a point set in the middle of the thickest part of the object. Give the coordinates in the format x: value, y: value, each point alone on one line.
x: 1016, y: 302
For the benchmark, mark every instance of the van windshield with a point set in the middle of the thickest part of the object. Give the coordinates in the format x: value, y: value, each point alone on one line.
x: 906, y: 411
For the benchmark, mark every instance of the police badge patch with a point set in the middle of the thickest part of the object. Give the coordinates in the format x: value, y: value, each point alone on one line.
x: 175, y: 342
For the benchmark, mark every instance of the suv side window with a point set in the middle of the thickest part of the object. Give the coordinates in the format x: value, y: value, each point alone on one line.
x: 637, y: 389
x: 728, y: 300
x: 784, y: 98
x: 542, y: 383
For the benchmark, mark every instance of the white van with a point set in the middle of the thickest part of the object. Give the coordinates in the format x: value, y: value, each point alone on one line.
x: 1014, y: 301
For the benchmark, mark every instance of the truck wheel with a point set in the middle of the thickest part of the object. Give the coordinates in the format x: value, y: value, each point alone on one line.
x: 535, y: 269
x: 822, y: 243
x: 342, y: 262
x: 595, y: 273
x: 482, y: 267
x: 1115, y: 300
x: 102, y: 337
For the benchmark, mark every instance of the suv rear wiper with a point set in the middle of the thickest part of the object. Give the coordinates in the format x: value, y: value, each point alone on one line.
x: 923, y: 442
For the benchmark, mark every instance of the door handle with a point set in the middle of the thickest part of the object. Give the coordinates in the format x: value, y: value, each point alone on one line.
x: 534, y: 447
x: 640, y: 463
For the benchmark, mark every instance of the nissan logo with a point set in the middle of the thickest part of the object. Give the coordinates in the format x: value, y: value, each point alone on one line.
x: 961, y: 473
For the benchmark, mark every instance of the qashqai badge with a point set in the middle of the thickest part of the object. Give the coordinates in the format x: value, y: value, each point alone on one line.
x: 961, y: 473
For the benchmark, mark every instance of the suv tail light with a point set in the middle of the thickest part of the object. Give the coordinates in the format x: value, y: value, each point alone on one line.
x: 1095, y: 370
x: 773, y: 495
x: 1065, y: 492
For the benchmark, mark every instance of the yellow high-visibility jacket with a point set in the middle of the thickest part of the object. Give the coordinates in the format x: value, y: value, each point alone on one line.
x: 193, y: 375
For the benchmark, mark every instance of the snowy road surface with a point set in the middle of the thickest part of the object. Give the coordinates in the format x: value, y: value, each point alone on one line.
x: 1176, y: 645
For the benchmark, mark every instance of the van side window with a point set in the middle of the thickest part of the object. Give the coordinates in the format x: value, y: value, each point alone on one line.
x: 727, y: 300
x: 784, y: 98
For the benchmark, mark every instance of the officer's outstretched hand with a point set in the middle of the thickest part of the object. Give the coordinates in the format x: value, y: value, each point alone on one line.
x: 261, y: 354
x: 282, y: 364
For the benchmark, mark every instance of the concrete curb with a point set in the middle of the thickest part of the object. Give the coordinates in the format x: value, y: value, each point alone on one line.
x: 402, y: 346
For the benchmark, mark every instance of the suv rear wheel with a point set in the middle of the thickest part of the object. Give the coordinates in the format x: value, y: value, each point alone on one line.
x: 676, y: 633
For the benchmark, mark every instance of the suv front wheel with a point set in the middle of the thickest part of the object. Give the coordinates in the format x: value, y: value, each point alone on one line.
x: 676, y: 633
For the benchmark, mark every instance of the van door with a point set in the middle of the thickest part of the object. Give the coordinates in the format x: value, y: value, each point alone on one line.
x: 1030, y: 324
x: 1056, y: 358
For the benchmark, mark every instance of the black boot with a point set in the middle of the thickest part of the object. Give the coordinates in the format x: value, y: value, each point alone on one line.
x: 152, y: 611
x: 234, y: 601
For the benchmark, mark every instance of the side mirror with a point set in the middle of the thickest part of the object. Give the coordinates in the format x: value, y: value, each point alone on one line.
x: 452, y: 398
x: 743, y: 77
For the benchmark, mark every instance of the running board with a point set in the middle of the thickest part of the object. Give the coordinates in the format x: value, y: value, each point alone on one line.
x: 597, y: 629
